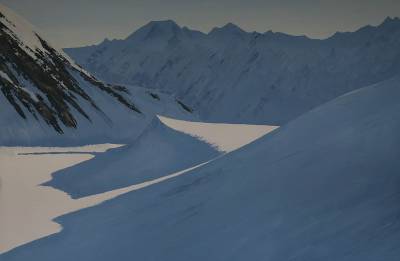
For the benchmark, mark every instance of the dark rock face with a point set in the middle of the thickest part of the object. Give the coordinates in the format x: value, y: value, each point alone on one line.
x: 52, y: 75
x: 184, y: 106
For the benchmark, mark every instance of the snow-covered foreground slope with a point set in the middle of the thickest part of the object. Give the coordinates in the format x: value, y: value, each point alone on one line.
x: 47, y: 99
x: 27, y: 209
x: 323, y: 187
x: 158, y: 151
x: 230, y: 75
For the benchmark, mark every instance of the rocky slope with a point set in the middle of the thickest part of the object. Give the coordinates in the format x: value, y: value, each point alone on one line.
x: 47, y: 98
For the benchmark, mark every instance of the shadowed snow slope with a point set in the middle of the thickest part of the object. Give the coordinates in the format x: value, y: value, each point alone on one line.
x: 323, y: 187
x: 157, y: 152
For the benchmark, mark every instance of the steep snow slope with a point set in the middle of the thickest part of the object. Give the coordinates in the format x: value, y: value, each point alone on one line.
x: 230, y: 75
x: 47, y: 99
x: 323, y: 187
x: 158, y: 151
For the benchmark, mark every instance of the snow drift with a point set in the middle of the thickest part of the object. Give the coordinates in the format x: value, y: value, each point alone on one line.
x: 158, y: 151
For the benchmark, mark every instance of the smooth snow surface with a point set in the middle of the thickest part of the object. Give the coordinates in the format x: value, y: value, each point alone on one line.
x: 226, y: 137
x: 323, y: 187
x: 27, y: 209
x: 158, y: 151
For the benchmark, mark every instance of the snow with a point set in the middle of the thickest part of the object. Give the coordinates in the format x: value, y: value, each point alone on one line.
x: 323, y: 187
x: 27, y: 209
x: 112, y: 122
x: 32, y: 94
x: 30, y: 209
x: 22, y: 31
x: 125, y: 125
x: 27, y: 35
x: 5, y: 76
x: 226, y: 137
x: 234, y: 76
x: 158, y: 151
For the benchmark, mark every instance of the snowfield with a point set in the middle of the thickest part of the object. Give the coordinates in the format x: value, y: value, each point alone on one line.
x: 157, y: 151
x: 28, y: 209
x: 323, y: 187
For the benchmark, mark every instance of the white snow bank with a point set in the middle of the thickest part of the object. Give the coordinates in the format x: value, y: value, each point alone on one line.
x: 27, y: 209
x: 226, y: 137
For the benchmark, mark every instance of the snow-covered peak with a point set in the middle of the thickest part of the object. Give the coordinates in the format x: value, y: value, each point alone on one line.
x: 156, y: 30
x: 31, y: 38
x: 165, y: 25
x: 21, y: 30
x: 106, y: 41
x: 390, y: 24
x: 44, y: 94
x: 391, y: 20
x: 231, y: 75
x: 229, y: 29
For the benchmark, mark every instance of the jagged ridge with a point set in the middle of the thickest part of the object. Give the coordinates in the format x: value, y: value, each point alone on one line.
x: 237, y: 76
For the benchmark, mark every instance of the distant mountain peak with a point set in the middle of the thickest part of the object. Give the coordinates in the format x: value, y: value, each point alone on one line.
x: 42, y: 84
x: 228, y: 28
x: 232, y: 27
x: 391, y: 21
x: 108, y: 41
x: 162, y: 26
x: 105, y: 41
x: 155, y: 29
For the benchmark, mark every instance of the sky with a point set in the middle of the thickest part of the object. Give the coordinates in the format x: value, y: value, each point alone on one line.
x: 70, y: 23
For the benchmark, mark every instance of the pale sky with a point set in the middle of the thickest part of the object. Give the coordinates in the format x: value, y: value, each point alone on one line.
x: 69, y: 23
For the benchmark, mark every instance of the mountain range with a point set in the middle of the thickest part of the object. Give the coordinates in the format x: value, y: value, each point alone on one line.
x: 230, y: 75
x: 322, y: 186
